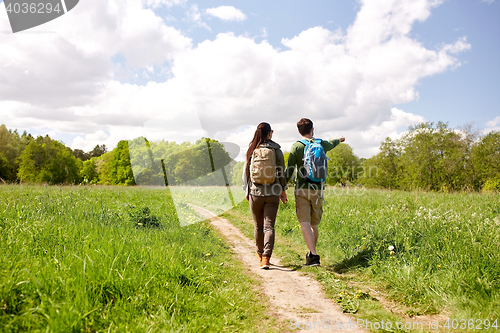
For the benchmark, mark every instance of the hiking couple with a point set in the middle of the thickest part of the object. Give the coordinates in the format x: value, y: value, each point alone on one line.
x: 265, y: 182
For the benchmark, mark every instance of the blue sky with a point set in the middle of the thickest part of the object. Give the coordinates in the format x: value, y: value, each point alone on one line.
x: 179, y: 69
x: 470, y: 92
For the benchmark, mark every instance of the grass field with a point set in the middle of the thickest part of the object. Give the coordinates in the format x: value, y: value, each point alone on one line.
x: 433, y: 252
x: 217, y: 199
x: 115, y: 259
x: 99, y: 259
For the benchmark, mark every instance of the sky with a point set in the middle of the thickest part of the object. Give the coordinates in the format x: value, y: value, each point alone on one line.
x: 178, y: 70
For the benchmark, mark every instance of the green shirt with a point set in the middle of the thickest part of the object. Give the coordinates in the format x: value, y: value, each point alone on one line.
x: 295, y: 161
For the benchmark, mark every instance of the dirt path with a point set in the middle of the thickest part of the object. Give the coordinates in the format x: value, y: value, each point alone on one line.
x: 295, y: 298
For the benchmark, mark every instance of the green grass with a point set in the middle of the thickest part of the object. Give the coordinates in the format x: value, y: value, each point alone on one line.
x: 99, y: 259
x: 111, y: 259
x: 217, y: 199
x: 446, y: 256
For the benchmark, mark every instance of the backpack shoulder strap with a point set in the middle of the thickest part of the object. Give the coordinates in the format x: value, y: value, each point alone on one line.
x: 303, y: 141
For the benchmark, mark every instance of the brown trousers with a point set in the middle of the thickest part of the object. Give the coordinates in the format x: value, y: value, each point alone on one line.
x: 264, y: 211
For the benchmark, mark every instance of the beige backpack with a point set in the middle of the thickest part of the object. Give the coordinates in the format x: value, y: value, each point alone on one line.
x: 263, y: 166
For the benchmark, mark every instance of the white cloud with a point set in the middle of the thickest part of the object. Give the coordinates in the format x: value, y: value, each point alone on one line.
x: 345, y: 81
x: 158, y: 3
x: 459, y: 46
x: 492, y: 125
x: 380, y: 21
x: 489, y: 2
x: 91, y: 140
x: 194, y: 15
x: 227, y: 13
x: 369, y: 140
x: 68, y: 67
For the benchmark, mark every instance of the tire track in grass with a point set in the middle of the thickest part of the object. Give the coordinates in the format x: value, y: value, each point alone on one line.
x: 296, y: 299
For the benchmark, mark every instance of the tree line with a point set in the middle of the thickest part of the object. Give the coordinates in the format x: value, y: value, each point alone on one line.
x: 24, y: 158
x: 429, y: 156
x: 205, y: 162
x: 438, y: 158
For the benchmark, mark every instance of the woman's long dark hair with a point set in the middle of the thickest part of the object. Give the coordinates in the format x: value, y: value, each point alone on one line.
x: 259, y: 137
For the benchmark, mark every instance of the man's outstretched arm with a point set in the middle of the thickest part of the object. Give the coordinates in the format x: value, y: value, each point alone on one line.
x: 329, y: 145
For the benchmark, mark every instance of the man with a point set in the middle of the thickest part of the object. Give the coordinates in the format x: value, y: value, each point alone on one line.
x: 308, y: 194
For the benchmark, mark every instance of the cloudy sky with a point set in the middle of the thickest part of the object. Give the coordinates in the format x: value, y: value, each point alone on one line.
x: 179, y: 69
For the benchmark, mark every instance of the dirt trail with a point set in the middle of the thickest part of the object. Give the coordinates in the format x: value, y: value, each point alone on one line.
x: 292, y: 296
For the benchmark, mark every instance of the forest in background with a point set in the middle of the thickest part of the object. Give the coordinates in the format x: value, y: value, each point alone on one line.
x: 25, y: 159
x: 428, y: 156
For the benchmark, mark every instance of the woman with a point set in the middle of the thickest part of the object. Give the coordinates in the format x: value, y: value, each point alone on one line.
x: 265, y: 184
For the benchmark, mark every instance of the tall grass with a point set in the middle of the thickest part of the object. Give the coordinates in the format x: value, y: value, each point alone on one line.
x: 432, y: 251
x: 77, y: 259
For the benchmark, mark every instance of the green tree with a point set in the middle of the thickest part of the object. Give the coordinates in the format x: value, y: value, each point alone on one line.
x: 4, y: 168
x: 47, y: 160
x: 196, y: 164
x: 103, y: 168
x: 237, y: 173
x: 486, y: 160
x: 343, y: 166
x: 98, y: 151
x: 384, y: 169
x: 433, y: 157
x: 89, y: 172
x: 120, y: 166
x: 470, y: 139
x: 429, y: 156
x: 11, y: 147
x: 80, y: 154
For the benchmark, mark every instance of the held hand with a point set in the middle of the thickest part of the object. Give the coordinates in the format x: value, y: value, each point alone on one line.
x: 283, y: 197
x: 341, y: 139
x: 247, y: 197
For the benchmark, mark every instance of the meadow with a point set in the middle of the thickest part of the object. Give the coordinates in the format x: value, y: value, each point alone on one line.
x: 217, y: 199
x: 433, y: 253
x: 115, y: 259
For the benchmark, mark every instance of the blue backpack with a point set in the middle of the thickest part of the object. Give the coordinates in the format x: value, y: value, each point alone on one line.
x: 315, y: 161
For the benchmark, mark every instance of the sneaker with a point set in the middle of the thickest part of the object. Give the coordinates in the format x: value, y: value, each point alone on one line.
x: 308, y: 258
x: 265, y: 264
x: 312, y: 260
x: 259, y: 256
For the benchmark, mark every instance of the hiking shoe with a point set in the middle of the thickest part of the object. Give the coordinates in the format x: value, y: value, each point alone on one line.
x: 308, y: 258
x: 259, y: 256
x: 312, y: 260
x: 265, y: 264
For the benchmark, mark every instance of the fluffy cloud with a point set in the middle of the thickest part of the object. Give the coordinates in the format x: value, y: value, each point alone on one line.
x: 492, y: 125
x: 194, y: 15
x: 238, y: 82
x: 158, y: 3
x: 69, y: 66
x: 59, y: 79
x: 345, y: 81
x: 227, y: 13
x: 368, y: 140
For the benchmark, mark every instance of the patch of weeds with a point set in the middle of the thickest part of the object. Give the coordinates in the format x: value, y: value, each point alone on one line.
x: 349, y: 300
x: 142, y: 217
